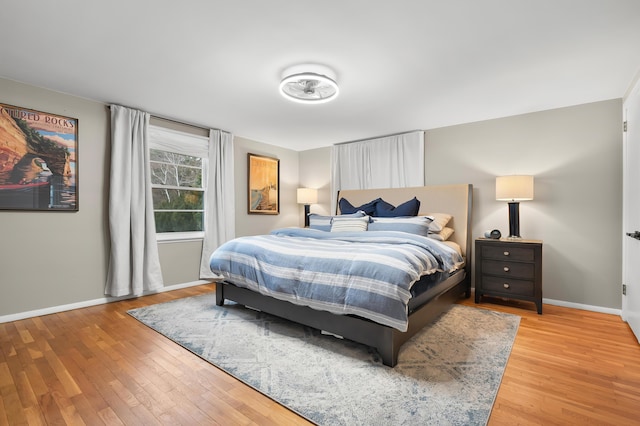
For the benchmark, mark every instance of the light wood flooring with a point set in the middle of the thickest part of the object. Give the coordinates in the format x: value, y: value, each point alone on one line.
x: 98, y: 365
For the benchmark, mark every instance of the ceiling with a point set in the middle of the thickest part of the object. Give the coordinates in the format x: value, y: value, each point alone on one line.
x: 404, y: 65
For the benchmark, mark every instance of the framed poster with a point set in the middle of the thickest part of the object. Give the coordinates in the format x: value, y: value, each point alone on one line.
x: 38, y: 160
x: 264, y: 184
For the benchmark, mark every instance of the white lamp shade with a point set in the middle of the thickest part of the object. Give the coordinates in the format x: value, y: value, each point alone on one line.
x: 307, y: 196
x: 514, y: 188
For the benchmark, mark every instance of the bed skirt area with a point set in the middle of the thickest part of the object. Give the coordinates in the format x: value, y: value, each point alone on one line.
x: 386, y: 340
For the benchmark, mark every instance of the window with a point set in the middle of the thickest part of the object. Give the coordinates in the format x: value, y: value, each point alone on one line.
x: 178, y: 163
x: 178, y: 194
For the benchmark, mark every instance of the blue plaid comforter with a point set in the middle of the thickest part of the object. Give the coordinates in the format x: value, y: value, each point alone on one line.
x: 368, y: 274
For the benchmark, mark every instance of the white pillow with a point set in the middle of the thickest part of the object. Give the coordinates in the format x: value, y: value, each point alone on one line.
x: 323, y: 223
x: 442, y: 235
x: 349, y: 224
x: 440, y: 220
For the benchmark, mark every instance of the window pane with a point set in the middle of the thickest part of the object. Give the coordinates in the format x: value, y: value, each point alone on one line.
x: 177, y: 210
x: 178, y: 221
x: 172, y: 175
x: 176, y: 199
x: 163, y: 174
x: 190, y: 177
x: 168, y: 168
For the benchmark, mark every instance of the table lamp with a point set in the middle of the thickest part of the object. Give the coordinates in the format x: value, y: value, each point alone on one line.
x: 307, y: 196
x: 514, y: 188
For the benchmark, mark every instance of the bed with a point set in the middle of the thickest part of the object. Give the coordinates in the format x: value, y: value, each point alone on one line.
x: 425, y: 299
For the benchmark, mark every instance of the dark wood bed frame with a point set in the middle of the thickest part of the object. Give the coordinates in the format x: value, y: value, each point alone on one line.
x: 386, y: 340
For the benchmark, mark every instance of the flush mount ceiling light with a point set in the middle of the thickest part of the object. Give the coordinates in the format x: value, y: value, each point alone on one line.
x: 309, y: 84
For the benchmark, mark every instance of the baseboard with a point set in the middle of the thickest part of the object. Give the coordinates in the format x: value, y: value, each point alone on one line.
x: 583, y: 307
x: 94, y: 302
x: 103, y: 300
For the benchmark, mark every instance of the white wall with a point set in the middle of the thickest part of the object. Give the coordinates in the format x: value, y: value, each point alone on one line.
x: 253, y: 224
x: 575, y: 155
x: 51, y: 259
x: 54, y: 258
x: 316, y: 173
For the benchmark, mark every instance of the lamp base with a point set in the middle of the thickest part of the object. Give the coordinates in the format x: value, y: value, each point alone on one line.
x: 514, y: 220
x: 306, y: 215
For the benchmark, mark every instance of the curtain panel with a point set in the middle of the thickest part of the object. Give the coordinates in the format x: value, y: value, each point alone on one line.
x: 394, y: 161
x: 220, y: 222
x: 134, y: 264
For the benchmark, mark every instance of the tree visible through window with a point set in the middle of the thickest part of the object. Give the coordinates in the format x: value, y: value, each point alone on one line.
x: 178, y: 192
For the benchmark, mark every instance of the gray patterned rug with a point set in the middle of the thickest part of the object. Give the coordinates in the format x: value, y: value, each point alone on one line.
x: 448, y: 374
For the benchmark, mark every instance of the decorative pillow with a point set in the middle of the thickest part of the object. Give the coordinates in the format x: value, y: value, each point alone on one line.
x: 440, y: 220
x: 323, y: 223
x: 346, y: 207
x: 349, y: 224
x: 408, y: 208
x: 418, y: 225
x: 443, y: 235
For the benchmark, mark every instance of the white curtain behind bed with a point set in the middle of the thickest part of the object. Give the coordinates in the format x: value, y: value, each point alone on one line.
x: 134, y: 264
x: 393, y: 161
x: 220, y: 217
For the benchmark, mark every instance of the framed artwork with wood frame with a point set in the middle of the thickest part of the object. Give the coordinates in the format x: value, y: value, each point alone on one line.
x: 264, y: 184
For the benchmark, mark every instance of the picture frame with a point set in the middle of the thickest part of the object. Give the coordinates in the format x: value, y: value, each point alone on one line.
x: 38, y: 160
x: 263, y: 184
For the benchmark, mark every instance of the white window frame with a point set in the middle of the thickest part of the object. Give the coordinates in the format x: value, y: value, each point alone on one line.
x: 161, y: 138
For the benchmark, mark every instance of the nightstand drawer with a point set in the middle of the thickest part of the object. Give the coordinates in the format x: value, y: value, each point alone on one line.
x: 508, y: 269
x: 524, y: 254
x: 509, y: 286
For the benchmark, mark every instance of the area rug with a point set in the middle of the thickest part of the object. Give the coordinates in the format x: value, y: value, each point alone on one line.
x: 448, y: 374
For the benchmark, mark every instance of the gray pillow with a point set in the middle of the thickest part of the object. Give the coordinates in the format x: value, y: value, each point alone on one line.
x: 418, y: 225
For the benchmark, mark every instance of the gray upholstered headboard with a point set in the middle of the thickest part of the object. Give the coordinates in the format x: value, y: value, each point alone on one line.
x: 455, y: 200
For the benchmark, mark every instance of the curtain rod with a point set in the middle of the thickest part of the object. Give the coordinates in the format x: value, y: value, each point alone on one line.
x: 379, y: 137
x: 199, y: 126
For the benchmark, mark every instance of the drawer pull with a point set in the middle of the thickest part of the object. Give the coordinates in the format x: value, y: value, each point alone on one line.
x: 506, y: 253
x: 505, y: 285
x: 506, y: 269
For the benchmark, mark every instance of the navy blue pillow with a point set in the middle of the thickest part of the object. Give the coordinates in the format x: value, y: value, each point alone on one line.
x: 369, y: 208
x: 408, y: 208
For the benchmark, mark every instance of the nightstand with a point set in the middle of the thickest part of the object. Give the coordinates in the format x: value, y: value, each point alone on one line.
x: 509, y: 269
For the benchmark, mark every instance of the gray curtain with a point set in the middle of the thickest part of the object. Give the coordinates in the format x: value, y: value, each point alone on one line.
x: 134, y: 265
x: 394, y: 161
x: 220, y: 222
